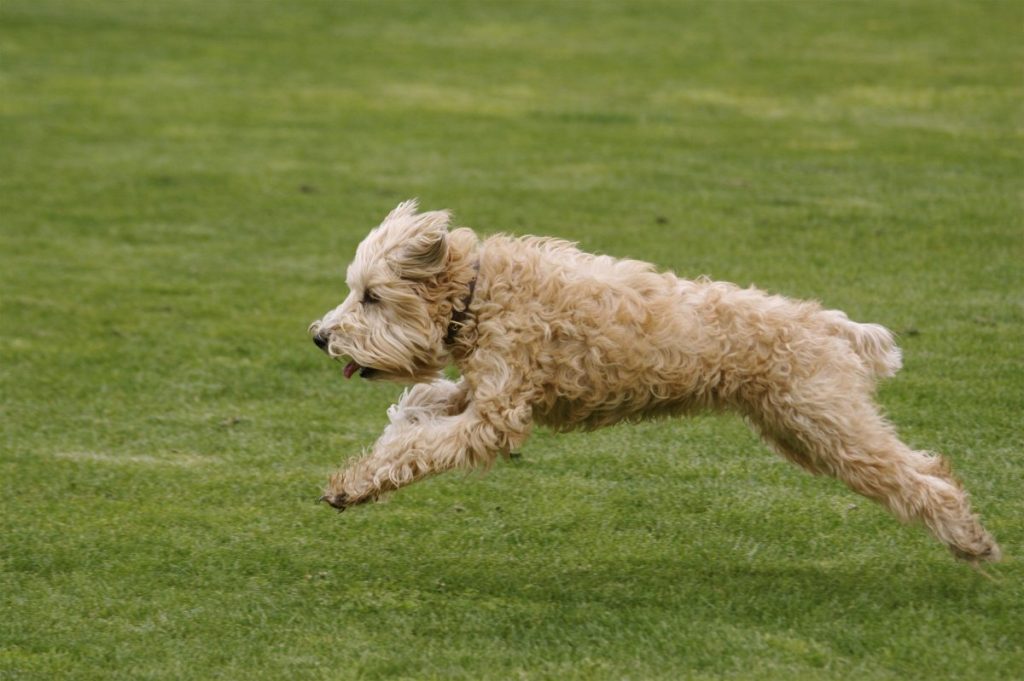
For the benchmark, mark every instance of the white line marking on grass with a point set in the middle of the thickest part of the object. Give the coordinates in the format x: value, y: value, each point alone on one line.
x: 177, y: 460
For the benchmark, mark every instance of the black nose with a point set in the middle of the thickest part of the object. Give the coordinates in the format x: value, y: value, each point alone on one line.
x: 321, y: 341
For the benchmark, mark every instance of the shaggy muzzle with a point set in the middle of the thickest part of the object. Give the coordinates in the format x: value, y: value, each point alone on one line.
x: 327, y: 341
x: 391, y: 356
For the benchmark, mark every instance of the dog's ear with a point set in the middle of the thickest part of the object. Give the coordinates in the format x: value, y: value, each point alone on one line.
x: 425, y: 252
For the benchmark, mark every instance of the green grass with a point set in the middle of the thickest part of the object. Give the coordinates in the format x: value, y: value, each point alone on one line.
x: 182, y: 183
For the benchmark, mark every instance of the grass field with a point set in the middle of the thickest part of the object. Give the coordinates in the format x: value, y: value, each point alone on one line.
x: 183, y: 182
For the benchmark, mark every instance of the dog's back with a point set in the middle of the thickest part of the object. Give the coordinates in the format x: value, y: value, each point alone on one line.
x: 614, y: 339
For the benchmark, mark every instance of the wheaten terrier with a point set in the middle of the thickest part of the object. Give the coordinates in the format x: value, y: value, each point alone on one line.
x: 544, y: 333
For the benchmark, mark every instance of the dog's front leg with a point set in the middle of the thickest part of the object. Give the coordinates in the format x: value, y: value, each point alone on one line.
x: 430, y: 400
x: 421, y: 442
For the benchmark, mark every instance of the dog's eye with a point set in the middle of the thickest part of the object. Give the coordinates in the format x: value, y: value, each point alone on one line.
x: 369, y: 298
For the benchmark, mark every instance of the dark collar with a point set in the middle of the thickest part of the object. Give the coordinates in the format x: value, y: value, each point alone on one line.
x: 459, y: 316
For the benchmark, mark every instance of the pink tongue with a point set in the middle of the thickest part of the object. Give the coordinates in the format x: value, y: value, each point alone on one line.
x: 351, y: 368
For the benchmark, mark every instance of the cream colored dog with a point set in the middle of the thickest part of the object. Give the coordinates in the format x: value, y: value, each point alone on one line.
x: 544, y: 333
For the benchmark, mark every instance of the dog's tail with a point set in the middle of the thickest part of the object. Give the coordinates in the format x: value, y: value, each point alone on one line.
x: 872, y: 342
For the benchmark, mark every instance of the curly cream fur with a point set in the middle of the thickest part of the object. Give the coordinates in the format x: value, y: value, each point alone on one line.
x: 570, y: 340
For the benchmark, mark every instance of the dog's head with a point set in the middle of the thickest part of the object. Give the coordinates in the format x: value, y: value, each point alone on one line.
x: 409, y: 276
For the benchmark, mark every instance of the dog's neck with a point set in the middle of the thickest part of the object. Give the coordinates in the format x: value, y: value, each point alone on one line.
x: 459, y: 316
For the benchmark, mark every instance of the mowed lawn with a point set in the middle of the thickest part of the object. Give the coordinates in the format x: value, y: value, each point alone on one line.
x: 182, y: 183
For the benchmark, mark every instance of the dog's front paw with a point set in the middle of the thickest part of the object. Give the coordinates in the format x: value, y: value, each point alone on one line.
x: 338, y: 500
x: 343, y: 500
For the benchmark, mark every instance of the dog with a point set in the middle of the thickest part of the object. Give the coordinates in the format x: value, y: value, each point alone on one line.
x: 544, y: 333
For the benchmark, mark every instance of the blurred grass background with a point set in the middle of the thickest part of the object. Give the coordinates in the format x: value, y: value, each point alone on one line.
x: 182, y: 184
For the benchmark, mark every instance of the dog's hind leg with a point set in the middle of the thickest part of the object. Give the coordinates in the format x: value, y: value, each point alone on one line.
x: 845, y: 436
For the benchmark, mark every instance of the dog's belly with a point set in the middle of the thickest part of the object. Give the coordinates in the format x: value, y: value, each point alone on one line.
x: 566, y: 414
x: 620, y: 376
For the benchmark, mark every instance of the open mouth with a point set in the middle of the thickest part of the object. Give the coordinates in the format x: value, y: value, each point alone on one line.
x: 364, y: 372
